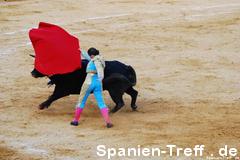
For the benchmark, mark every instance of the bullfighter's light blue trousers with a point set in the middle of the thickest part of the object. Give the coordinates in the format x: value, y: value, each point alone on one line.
x: 96, y: 87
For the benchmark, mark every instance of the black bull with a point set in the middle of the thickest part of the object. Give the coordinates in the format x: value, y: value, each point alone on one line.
x: 118, y: 79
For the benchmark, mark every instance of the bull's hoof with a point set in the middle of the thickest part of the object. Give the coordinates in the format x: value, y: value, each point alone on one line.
x: 43, y: 106
x: 134, y: 107
x: 109, y: 125
x: 74, y: 123
x: 115, y: 109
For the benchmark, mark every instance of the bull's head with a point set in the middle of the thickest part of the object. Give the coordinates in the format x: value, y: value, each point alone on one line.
x: 35, y: 73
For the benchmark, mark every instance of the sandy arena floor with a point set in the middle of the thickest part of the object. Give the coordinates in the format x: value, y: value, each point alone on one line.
x: 186, y: 55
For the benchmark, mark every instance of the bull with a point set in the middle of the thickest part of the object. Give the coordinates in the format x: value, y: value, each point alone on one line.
x: 118, y: 79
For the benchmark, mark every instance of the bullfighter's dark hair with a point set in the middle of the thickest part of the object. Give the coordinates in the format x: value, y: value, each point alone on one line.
x: 93, y: 51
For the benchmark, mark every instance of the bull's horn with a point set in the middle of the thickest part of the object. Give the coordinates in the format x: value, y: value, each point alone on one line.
x: 32, y: 55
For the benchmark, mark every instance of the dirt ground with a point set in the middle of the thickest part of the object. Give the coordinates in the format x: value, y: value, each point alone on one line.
x: 186, y: 55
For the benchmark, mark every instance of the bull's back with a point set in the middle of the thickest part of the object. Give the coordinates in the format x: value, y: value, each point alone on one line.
x: 120, y: 68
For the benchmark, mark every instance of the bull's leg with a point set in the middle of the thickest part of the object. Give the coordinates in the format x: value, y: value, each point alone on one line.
x: 58, y: 93
x: 117, y: 98
x: 49, y: 101
x: 133, y: 93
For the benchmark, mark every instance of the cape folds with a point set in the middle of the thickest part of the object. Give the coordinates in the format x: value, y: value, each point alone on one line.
x: 56, y: 51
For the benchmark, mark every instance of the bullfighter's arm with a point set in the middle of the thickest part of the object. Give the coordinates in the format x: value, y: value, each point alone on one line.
x: 85, y: 54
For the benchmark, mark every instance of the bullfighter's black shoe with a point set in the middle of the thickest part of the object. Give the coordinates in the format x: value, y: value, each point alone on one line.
x: 74, y: 123
x: 109, y: 125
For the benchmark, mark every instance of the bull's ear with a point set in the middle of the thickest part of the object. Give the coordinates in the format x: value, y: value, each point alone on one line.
x: 32, y: 55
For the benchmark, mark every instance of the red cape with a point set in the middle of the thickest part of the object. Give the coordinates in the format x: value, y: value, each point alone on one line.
x: 56, y: 51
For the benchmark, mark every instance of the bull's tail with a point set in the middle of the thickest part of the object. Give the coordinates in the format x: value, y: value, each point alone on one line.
x: 132, y: 75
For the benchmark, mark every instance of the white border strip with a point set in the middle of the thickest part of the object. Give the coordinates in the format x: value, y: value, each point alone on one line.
x: 83, y: 20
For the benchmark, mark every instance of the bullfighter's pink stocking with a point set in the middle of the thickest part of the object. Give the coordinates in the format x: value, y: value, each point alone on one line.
x: 78, y: 112
x: 105, y: 115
